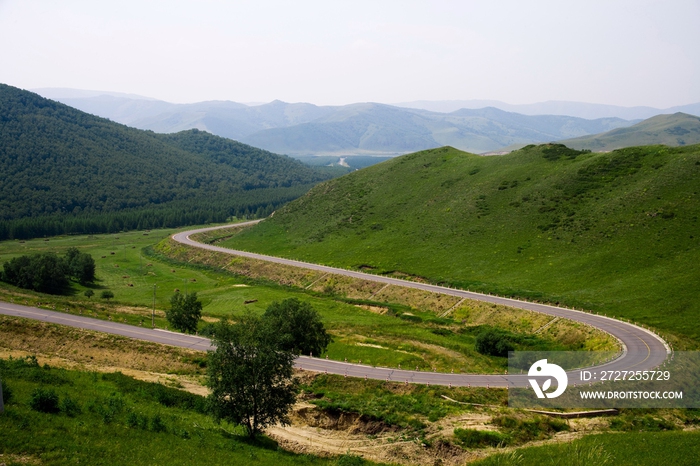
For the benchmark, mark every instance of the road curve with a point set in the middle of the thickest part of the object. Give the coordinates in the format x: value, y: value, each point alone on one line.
x: 642, y: 349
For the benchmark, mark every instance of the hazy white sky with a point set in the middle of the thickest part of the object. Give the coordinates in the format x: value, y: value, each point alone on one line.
x: 636, y: 52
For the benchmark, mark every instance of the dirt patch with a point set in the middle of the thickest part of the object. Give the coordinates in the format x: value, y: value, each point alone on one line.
x: 352, y: 423
x: 8, y: 458
x: 376, y: 309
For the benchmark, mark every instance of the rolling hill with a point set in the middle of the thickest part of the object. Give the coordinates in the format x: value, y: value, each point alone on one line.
x: 616, y: 233
x: 67, y: 171
x: 361, y: 129
x: 678, y: 129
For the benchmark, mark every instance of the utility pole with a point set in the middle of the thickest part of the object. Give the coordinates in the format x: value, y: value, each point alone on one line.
x: 2, y: 403
x: 153, y: 314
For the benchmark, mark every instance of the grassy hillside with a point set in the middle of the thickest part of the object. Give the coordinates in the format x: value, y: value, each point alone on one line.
x: 678, y: 129
x: 616, y: 233
x: 106, y: 176
x: 113, y: 419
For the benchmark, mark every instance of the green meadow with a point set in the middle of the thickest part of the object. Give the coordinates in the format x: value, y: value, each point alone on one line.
x: 127, y: 265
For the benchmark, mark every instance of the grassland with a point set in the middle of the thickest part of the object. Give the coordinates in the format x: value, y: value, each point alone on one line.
x: 633, y: 449
x: 615, y: 233
x: 389, y: 335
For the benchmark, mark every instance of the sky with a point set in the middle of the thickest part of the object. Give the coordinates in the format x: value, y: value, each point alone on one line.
x: 626, y: 53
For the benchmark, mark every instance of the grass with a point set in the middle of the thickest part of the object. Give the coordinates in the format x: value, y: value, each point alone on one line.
x: 615, y: 233
x: 114, y: 419
x: 128, y: 266
x: 633, y: 449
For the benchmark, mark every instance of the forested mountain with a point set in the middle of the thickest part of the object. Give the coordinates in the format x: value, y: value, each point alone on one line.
x: 68, y: 171
x: 301, y: 129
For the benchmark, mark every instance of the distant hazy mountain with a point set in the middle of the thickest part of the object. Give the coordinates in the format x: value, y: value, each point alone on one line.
x: 679, y: 129
x: 553, y: 107
x: 364, y: 128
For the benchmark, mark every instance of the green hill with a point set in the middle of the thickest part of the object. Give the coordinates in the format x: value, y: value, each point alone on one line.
x: 67, y: 171
x: 616, y: 233
x: 678, y: 129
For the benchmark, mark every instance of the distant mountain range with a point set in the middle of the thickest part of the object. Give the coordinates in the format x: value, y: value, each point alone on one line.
x: 679, y: 129
x: 360, y: 129
x: 553, y: 107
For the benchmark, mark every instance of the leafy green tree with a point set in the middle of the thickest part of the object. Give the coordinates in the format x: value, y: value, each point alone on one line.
x: 249, y: 376
x: 106, y: 294
x: 185, y: 312
x: 298, y: 327
x: 89, y: 293
x: 81, y: 266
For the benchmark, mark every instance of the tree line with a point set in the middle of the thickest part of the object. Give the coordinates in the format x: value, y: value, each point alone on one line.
x: 257, y: 204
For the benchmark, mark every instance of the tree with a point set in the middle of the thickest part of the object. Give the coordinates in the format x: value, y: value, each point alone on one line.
x: 81, y: 266
x: 298, y: 327
x: 250, y: 377
x: 89, y: 293
x: 106, y: 294
x: 185, y: 312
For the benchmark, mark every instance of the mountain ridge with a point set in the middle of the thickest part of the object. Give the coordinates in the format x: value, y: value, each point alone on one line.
x: 363, y: 128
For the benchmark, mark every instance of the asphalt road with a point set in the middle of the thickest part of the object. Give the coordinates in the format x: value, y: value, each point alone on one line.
x: 642, y: 350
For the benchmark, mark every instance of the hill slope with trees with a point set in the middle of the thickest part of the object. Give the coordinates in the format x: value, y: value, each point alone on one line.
x: 614, y: 232
x: 67, y: 171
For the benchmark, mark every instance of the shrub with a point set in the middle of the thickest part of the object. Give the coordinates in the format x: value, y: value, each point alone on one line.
x: 44, y: 400
x: 493, y: 342
x: 157, y: 424
x: 106, y: 294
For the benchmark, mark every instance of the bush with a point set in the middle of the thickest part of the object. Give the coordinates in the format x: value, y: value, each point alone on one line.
x: 44, y: 400
x: 106, y: 294
x: 493, y: 342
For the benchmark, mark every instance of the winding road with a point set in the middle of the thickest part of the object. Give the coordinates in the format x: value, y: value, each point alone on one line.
x: 641, y: 349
